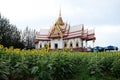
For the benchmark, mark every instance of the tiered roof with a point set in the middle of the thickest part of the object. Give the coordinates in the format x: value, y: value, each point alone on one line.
x: 65, y: 31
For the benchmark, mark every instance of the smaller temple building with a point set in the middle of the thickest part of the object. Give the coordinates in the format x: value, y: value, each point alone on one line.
x: 62, y: 35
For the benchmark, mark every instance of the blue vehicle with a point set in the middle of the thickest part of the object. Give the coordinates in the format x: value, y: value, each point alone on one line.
x: 98, y: 48
x: 111, y: 48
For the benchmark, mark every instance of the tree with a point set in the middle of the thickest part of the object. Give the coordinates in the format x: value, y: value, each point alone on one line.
x: 28, y: 37
x: 9, y: 34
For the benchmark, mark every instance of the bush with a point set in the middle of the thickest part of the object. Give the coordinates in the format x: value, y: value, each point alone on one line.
x: 116, y: 68
x: 16, y: 64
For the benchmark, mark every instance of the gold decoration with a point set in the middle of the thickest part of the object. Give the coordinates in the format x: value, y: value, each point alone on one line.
x: 57, y: 28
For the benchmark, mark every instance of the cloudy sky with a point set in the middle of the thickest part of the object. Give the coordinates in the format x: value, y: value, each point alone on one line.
x: 102, y: 15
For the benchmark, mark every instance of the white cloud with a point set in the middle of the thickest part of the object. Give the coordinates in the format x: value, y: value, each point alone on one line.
x: 107, y: 35
x: 42, y: 14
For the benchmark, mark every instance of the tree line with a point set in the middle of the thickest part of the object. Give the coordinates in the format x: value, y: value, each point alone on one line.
x: 10, y: 35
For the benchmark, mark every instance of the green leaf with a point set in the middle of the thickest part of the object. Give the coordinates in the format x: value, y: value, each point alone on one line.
x: 34, y: 70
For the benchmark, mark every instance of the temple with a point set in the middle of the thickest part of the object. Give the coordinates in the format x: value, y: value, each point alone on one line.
x: 62, y: 35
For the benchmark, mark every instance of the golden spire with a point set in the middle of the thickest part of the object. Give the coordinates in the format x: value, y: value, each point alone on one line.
x: 60, y: 12
x: 59, y: 21
x: 57, y: 26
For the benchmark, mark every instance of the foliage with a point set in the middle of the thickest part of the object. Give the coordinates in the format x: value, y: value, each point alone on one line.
x: 116, y: 67
x: 9, y: 34
x: 16, y: 64
x: 28, y: 38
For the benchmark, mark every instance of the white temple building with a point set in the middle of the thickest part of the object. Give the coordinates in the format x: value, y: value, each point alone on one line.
x: 62, y: 35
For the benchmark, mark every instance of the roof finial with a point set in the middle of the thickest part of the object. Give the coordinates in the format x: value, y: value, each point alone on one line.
x: 60, y: 12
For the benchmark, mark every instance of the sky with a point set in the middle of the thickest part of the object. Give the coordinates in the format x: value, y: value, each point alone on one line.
x: 101, y: 15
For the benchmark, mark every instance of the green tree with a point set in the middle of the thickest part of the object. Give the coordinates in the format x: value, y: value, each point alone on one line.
x: 9, y: 34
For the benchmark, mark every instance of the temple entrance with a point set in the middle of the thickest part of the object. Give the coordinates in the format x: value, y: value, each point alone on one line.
x: 56, y: 46
x: 71, y: 45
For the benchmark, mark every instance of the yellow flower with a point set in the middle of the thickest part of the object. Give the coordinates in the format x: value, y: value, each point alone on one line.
x: 1, y: 46
x: 17, y: 50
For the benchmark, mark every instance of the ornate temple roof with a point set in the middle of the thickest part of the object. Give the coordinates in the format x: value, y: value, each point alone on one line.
x: 59, y: 20
x: 57, y: 27
x: 65, y: 31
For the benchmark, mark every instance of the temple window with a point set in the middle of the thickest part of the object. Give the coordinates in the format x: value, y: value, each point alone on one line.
x: 77, y: 44
x: 45, y: 45
x: 71, y: 44
x: 56, y: 46
x: 40, y: 45
x: 65, y: 44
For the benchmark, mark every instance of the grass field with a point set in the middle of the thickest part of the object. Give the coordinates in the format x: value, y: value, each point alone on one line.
x: 16, y: 64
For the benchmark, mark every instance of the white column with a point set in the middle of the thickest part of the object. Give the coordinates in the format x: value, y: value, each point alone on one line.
x: 60, y: 43
x: 52, y: 44
x: 86, y: 43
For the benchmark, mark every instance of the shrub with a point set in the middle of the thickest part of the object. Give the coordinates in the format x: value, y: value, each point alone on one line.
x: 116, y: 68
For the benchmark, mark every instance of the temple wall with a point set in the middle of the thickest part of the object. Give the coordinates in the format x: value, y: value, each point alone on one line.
x: 36, y: 46
x: 57, y: 41
x: 60, y: 43
x: 42, y: 43
x: 74, y: 41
